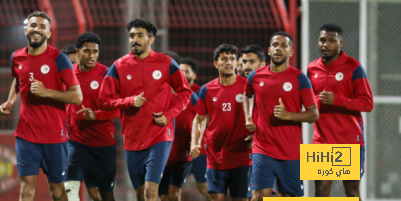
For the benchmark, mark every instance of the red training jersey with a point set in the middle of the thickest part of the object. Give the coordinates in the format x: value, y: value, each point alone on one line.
x: 341, y: 123
x: 154, y: 75
x: 279, y: 139
x: 182, y: 134
x: 99, y: 132
x: 226, y: 147
x: 42, y: 120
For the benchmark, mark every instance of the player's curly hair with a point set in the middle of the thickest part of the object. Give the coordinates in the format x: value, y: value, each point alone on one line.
x: 256, y: 49
x: 40, y: 14
x: 227, y: 48
x: 143, y: 23
x: 332, y: 27
x: 191, y: 62
x: 69, y: 49
x: 87, y: 37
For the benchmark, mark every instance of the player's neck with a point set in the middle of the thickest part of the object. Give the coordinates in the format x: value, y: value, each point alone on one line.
x: 227, y: 80
x: 278, y: 69
x: 83, y: 68
x: 37, y: 51
x: 328, y: 62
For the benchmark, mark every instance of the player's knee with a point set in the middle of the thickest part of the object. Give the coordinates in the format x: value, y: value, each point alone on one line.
x: 150, y: 193
x: 72, y: 190
x: 173, y: 196
x: 27, y: 191
x: 352, y: 191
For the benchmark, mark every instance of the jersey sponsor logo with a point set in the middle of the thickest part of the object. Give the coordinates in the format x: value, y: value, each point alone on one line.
x: 339, y: 76
x: 45, y: 69
x: 157, y: 74
x: 239, y: 98
x: 94, y: 84
x: 8, y: 169
x: 20, y: 66
x: 129, y: 77
x: 287, y: 86
x: 214, y: 99
x: 316, y: 75
x: 261, y: 84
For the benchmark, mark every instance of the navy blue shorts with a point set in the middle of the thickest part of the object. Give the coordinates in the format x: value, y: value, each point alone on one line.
x: 199, y: 168
x: 52, y: 158
x: 362, y: 161
x: 94, y: 165
x: 174, y: 175
x: 148, y: 164
x: 266, y: 169
x: 238, y: 180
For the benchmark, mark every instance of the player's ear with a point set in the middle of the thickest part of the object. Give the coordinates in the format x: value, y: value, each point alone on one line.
x: 194, y: 76
x: 268, y: 51
x: 151, y: 40
x: 215, y: 64
x: 341, y: 43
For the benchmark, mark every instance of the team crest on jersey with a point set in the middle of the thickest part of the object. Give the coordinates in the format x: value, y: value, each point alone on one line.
x: 261, y: 84
x: 94, y: 84
x: 157, y: 74
x: 129, y: 77
x: 316, y: 75
x: 20, y: 66
x: 8, y: 169
x: 45, y: 69
x: 287, y: 86
x: 339, y: 76
x: 214, y: 99
x: 239, y: 98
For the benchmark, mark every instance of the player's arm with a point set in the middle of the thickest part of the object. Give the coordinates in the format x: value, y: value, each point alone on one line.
x: 6, y: 107
x: 99, y: 115
x: 363, y: 101
x: 109, y: 95
x: 198, y: 128
x: 182, y: 94
x: 248, y: 103
x: 311, y: 113
x: 73, y: 94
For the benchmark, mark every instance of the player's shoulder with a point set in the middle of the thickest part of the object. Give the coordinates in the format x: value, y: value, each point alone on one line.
x: 294, y: 71
x: 351, y: 61
x: 162, y: 58
x: 54, y: 52
x: 212, y: 83
x: 241, y: 80
x: 315, y: 63
x: 124, y: 60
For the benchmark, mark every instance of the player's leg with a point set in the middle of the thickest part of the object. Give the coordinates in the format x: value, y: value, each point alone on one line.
x: 199, y: 171
x: 54, y: 165
x: 217, y: 183
x: 164, y: 184
x: 93, y: 193
x: 352, y: 187
x: 178, y: 175
x: 322, y: 188
x: 101, y: 169
x: 262, y: 176
x: 240, y: 183
x: 27, y: 187
x: 28, y: 162
x: 136, y: 169
x: 288, y: 177
x: 75, y: 171
x: 155, y: 164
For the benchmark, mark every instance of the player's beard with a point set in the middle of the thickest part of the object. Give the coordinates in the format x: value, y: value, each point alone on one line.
x: 139, y: 51
x: 279, y: 63
x: 35, y: 44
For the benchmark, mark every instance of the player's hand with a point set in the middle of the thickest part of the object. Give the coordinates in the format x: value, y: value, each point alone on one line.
x: 88, y: 113
x: 327, y: 97
x: 195, y: 151
x: 37, y: 88
x: 139, y: 100
x: 160, y: 119
x: 280, y: 112
x: 249, y: 125
x: 249, y: 140
x: 5, y: 108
